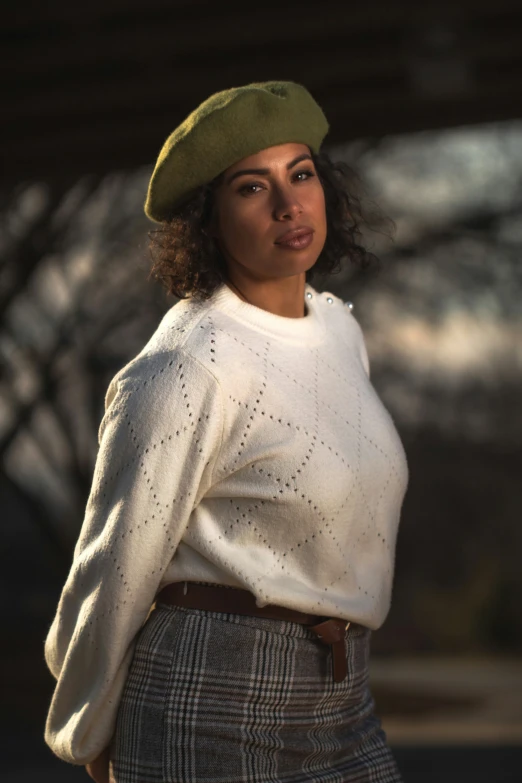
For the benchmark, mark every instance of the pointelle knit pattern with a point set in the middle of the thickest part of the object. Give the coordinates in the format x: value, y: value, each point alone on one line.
x: 237, y: 447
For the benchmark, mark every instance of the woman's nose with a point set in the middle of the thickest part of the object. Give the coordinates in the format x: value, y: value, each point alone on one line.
x: 286, y: 203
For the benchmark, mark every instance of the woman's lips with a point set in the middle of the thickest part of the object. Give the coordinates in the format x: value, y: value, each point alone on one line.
x: 298, y: 243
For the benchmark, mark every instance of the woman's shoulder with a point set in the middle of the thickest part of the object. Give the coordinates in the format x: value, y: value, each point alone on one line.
x: 171, y: 342
x: 157, y: 385
x: 168, y: 368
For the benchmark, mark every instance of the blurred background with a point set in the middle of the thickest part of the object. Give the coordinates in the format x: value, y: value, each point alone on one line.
x: 425, y: 102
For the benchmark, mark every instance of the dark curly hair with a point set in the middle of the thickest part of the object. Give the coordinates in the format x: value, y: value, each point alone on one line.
x: 188, y: 262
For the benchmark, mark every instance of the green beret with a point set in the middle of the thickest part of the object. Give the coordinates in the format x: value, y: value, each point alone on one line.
x: 227, y: 127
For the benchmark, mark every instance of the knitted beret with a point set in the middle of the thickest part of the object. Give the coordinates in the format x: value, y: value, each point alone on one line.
x: 226, y: 127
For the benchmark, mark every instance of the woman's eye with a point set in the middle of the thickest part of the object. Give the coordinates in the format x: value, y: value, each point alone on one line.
x: 247, y: 188
x: 250, y: 185
x: 305, y: 171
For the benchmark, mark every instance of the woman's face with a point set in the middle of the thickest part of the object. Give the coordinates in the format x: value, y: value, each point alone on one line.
x: 253, y: 210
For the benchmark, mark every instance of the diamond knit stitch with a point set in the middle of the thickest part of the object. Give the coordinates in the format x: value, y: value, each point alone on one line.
x: 238, y: 447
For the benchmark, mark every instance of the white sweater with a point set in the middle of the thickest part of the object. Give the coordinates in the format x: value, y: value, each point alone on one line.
x: 238, y: 447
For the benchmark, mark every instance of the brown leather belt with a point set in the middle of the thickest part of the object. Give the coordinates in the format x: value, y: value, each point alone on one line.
x: 218, y: 598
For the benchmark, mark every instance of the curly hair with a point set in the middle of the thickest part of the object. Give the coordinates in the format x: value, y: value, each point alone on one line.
x: 188, y: 262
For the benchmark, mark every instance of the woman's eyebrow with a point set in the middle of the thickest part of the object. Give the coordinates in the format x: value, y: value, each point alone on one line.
x: 293, y: 162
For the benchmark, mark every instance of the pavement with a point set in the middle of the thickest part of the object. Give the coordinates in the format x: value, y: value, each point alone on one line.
x: 449, y: 701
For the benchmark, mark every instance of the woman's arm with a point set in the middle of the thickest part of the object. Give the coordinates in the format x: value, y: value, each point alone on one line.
x: 159, y: 439
x: 99, y: 768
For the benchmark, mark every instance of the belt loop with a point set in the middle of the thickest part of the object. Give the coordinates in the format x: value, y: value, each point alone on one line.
x: 185, y: 588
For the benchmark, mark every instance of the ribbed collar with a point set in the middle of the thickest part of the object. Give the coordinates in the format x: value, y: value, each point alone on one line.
x: 308, y: 329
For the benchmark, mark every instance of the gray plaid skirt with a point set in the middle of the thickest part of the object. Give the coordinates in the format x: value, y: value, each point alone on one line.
x: 215, y: 697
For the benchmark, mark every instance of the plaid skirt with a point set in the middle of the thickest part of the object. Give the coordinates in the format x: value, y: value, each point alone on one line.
x: 215, y: 697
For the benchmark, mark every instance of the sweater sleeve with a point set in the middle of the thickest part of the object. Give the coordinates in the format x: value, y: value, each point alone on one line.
x: 158, y: 442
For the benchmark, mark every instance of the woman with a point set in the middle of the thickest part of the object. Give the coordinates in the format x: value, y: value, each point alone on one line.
x: 238, y: 545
